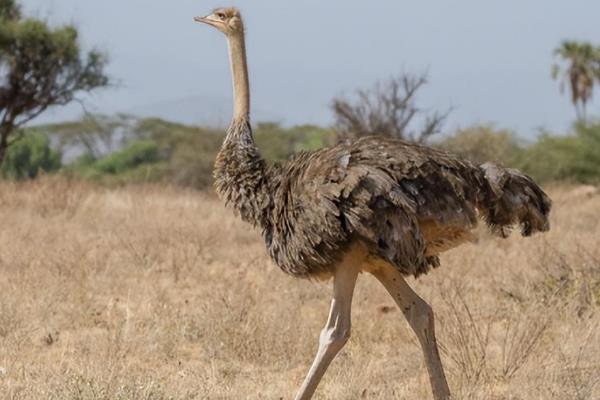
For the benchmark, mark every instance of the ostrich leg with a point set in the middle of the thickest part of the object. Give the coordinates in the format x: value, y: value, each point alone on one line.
x: 420, y: 317
x: 337, y: 330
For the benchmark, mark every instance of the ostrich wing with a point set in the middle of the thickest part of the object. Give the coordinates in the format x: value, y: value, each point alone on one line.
x: 376, y: 190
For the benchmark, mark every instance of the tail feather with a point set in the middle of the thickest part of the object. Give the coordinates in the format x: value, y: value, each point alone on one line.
x: 513, y: 198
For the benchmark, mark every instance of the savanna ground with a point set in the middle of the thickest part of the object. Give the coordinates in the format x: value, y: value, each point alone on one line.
x: 160, y: 293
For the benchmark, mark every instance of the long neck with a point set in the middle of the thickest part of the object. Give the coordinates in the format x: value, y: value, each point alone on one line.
x: 241, y: 175
x: 239, y: 72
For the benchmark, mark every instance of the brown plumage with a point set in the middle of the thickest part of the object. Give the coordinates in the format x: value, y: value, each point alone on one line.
x: 376, y: 205
x: 407, y: 203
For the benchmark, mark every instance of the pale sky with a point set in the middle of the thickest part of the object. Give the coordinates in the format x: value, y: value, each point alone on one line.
x: 489, y: 61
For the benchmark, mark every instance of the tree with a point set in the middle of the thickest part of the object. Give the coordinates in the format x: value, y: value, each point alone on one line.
x: 387, y: 109
x: 96, y: 134
x: 582, y: 69
x: 40, y: 67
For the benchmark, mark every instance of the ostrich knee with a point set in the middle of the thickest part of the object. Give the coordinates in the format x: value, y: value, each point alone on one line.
x: 332, y: 339
x: 421, y: 318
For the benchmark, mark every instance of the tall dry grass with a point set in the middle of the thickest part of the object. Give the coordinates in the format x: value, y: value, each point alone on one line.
x: 160, y: 293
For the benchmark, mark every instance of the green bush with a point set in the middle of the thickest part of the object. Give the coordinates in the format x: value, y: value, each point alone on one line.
x: 137, y: 153
x: 190, y: 152
x: 85, y: 160
x: 574, y: 157
x: 586, y: 165
x: 28, y: 156
x: 184, y: 155
x: 482, y: 143
x: 278, y: 143
x: 192, y: 158
x: 550, y: 158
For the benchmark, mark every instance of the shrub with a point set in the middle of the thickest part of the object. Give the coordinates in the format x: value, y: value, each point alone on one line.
x: 192, y: 157
x: 137, y: 153
x: 575, y: 157
x: 586, y: 165
x: 482, y: 143
x: 278, y: 143
x: 551, y: 158
x: 28, y: 156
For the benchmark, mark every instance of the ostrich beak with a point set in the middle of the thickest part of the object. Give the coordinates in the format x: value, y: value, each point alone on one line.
x: 209, y: 20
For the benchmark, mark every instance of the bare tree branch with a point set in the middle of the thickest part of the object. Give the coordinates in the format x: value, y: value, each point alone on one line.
x: 387, y: 109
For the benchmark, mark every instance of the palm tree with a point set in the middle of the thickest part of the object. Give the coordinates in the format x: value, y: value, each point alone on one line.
x: 583, y: 67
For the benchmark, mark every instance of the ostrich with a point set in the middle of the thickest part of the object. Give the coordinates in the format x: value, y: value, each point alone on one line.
x: 376, y: 205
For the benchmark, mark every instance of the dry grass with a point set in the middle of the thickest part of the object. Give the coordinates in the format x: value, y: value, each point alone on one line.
x: 160, y: 293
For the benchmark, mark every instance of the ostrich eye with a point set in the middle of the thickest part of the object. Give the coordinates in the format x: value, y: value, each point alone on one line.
x: 220, y: 15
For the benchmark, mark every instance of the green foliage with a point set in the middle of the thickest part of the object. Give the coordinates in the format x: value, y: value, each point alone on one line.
x: 580, y: 72
x: 83, y: 161
x: 482, y: 143
x: 188, y: 152
x: 551, y: 158
x: 99, y: 135
x: 278, y: 143
x: 137, y: 153
x: 154, y: 150
x: 158, y: 150
x: 28, y: 156
x: 137, y: 162
x: 585, y: 164
x: 40, y: 67
x: 9, y: 10
x: 574, y: 157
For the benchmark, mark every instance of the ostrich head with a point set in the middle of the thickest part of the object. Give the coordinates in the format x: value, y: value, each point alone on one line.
x: 227, y: 20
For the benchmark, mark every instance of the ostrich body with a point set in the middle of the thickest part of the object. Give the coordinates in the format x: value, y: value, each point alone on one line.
x: 376, y: 205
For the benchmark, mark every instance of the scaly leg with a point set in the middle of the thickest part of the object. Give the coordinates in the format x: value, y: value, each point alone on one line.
x: 337, y: 330
x: 420, y: 317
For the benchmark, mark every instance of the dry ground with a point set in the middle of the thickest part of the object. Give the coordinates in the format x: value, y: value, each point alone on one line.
x: 160, y: 293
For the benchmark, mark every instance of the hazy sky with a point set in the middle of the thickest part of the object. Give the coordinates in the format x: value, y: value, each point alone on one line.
x: 489, y: 61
